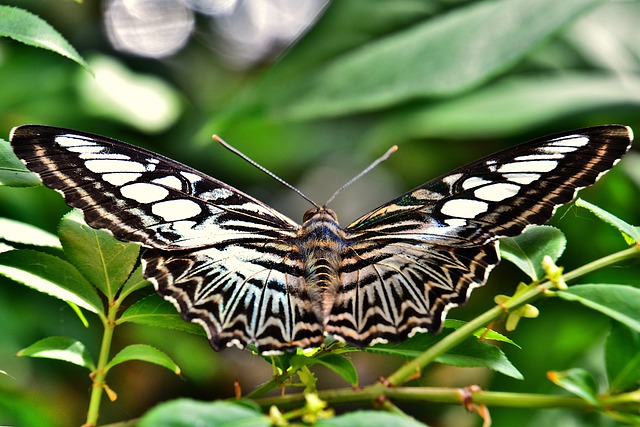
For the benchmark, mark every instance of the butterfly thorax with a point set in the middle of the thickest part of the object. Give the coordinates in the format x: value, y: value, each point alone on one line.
x: 321, y: 241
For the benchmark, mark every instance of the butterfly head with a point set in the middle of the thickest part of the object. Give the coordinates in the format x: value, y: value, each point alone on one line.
x: 320, y: 213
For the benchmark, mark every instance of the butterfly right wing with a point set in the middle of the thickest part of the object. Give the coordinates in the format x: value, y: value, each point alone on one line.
x: 409, y: 261
x: 223, y: 258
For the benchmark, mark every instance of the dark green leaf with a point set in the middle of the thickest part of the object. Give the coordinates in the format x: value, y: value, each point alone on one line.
x: 145, y: 353
x: 189, y: 413
x: 577, y: 381
x: 446, y: 55
x: 622, y: 357
x: 154, y: 311
x: 341, y: 366
x: 29, y: 29
x: 60, y: 348
x: 50, y: 275
x: 528, y: 249
x: 369, y: 419
x: 12, y: 172
x: 630, y: 233
x: 619, y: 302
x: 102, y: 259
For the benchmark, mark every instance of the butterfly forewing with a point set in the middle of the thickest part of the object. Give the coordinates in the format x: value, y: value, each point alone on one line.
x: 251, y: 276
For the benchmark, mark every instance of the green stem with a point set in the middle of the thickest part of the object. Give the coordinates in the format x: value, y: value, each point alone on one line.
x: 99, y: 375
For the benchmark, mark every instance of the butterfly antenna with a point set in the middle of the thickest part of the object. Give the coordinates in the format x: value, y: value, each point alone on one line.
x: 262, y: 168
x: 380, y: 159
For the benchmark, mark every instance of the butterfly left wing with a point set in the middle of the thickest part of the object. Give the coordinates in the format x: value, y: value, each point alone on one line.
x: 223, y: 258
x: 411, y: 260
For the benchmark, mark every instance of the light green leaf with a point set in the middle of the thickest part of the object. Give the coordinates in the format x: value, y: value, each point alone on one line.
x: 12, y: 172
x: 60, y: 348
x: 445, y: 55
x: 341, y: 366
x: 506, y: 107
x: 577, y: 381
x: 619, y: 302
x: 370, y: 418
x: 154, y: 311
x: 50, y: 275
x: 528, y: 249
x: 484, y: 333
x: 135, y: 282
x: 26, y: 234
x: 189, y: 413
x: 102, y: 259
x: 29, y: 29
x: 145, y: 353
x: 630, y: 233
x: 622, y: 357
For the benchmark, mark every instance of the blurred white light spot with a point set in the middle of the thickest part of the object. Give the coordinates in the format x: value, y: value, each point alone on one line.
x: 151, y: 28
x: 213, y: 7
x: 144, y: 102
x: 259, y: 30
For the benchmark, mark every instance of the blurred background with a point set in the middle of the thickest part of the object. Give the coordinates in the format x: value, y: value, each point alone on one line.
x: 314, y: 91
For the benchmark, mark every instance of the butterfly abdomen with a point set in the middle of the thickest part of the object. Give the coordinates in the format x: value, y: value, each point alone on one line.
x: 321, y: 240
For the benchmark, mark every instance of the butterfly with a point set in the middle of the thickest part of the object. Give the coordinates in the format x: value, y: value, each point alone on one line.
x: 253, y: 277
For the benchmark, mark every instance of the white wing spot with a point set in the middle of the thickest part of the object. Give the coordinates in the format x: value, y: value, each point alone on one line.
x: 474, y: 182
x: 192, y: 177
x: 497, y: 192
x: 143, y: 192
x: 120, y: 179
x: 176, y: 210
x: 103, y: 166
x: 576, y: 141
x: 456, y: 222
x: 169, y: 181
x: 547, y: 156
x: 522, y: 178
x: 531, y: 166
x: 451, y: 179
x: 464, y: 208
x: 72, y: 141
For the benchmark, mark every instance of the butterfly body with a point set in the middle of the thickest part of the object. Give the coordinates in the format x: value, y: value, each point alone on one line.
x: 251, y: 276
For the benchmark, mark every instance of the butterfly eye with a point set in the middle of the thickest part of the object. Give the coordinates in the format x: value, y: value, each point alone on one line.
x: 308, y: 214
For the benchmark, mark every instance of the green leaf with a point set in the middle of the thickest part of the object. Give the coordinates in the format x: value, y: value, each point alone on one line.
x: 135, y: 282
x: 484, y: 333
x: 144, y: 353
x: 528, y: 249
x: 189, y: 413
x: 470, y: 353
x: 50, y: 275
x: 154, y: 311
x: 577, y: 381
x: 31, y: 30
x: 630, y: 233
x: 446, y: 55
x: 506, y: 107
x: 102, y: 259
x: 619, y: 302
x: 341, y: 366
x: 370, y: 418
x: 26, y: 234
x: 622, y: 357
x: 60, y: 348
x: 12, y: 171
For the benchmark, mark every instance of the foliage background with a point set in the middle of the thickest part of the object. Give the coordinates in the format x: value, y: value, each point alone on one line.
x: 311, y: 115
